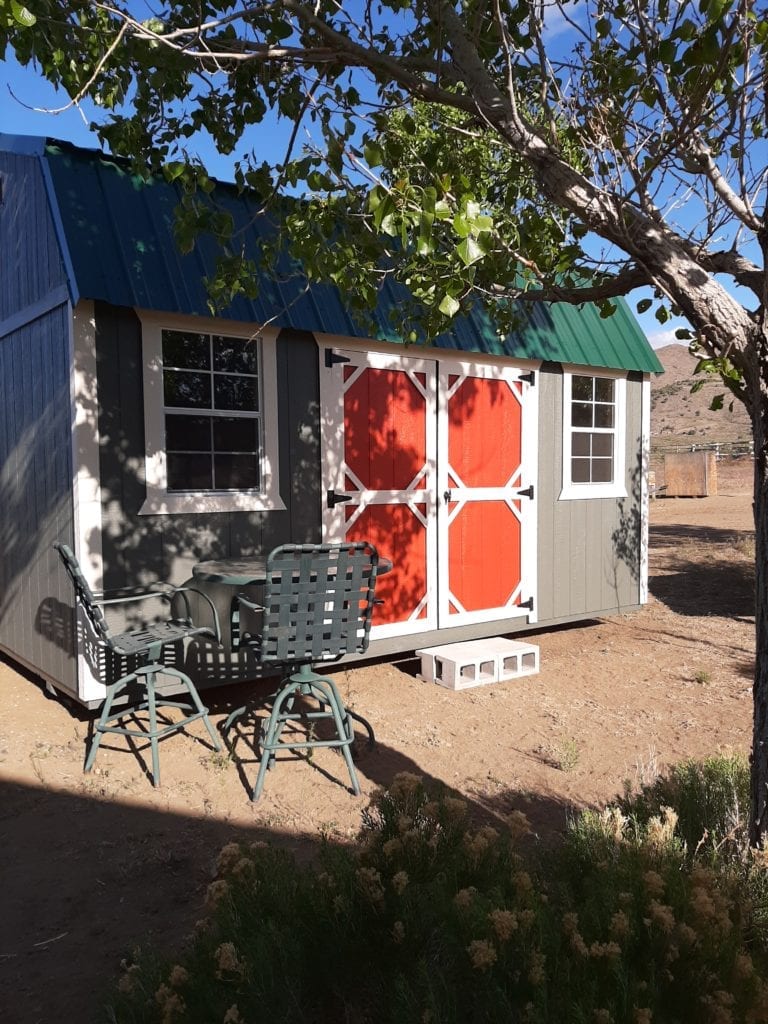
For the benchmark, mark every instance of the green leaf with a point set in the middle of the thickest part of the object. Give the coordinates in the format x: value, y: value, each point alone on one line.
x: 472, y: 210
x: 461, y: 225
x: 716, y: 8
x: 374, y: 154
x: 662, y: 314
x: 174, y: 169
x: 442, y: 210
x: 717, y: 403
x: 449, y: 306
x: 644, y: 305
x: 469, y: 251
x: 384, y: 210
x: 667, y: 51
x: 22, y: 14
x: 602, y: 27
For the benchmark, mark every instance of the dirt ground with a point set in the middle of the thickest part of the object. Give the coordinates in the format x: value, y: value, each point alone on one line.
x: 91, y: 866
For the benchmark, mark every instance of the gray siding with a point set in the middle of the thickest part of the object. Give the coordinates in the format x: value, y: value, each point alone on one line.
x: 165, y: 547
x: 588, y: 549
x: 31, y: 262
x: 36, y: 496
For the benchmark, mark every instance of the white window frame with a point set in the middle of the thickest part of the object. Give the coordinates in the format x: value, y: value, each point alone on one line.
x: 617, y: 487
x: 159, y: 501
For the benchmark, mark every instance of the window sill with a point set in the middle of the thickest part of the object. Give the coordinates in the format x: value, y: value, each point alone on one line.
x: 575, y: 492
x: 164, y: 504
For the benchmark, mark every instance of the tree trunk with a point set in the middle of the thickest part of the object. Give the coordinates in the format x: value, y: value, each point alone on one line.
x: 759, y: 758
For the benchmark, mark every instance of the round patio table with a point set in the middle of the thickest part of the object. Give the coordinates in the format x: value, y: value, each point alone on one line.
x: 237, y: 572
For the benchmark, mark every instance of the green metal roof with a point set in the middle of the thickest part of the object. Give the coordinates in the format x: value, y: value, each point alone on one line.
x: 117, y: 231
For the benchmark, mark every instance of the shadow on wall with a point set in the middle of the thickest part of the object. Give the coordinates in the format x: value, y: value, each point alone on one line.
x: 627, y: 536
x: 35, y: 465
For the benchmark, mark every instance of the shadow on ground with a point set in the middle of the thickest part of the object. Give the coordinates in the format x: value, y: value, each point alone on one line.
x: 86, y: 880
x: 708, y: 571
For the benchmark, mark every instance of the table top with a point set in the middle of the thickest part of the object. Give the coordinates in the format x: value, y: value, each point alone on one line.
x: 239, y: 572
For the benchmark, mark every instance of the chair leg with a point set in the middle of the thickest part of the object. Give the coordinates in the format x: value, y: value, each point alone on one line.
x: 270, y: 737
x: 203, y: 712
x: 152, y: 708
x: 343, y: 727
x: 106, y: 707
x: 232, y: 718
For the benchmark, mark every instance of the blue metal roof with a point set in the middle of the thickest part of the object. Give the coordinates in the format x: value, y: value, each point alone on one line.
x: 118, y: 230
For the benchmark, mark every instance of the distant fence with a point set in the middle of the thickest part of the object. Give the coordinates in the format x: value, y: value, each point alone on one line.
x: 722, y: 449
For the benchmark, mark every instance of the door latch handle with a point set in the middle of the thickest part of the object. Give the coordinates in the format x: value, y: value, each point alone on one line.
x: 332, y: 498
x: 446, y: 496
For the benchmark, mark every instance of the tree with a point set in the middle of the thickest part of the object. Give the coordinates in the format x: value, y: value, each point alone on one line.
x: 486, y: 150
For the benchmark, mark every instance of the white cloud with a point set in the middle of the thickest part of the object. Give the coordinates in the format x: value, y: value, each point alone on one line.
x: 659, y: 339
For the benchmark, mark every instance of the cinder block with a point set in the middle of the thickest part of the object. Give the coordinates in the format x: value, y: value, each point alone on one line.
x: 516, y: 658
x: 477, y: 662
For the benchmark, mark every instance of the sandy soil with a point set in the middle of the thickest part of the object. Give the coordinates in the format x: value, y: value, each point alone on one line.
x: 92, y: 866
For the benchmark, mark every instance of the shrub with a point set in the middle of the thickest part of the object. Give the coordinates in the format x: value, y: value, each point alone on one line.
x: 431, y: 918
x: 711, y: 799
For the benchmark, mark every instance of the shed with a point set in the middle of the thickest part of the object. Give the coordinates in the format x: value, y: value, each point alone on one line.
x: 505, y: 477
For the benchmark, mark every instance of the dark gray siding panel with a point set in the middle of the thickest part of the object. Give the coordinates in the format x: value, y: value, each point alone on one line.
x: 31, y: 262
x: 36, y: 496
x: 165, y: 547
x: 588, y: 549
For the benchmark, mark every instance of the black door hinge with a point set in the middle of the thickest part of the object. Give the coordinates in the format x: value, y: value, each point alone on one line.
x: 332, y: 498
x: 527, y: 493
x: 527, y: 604
x: 331, y: 358
x: 529, y: 378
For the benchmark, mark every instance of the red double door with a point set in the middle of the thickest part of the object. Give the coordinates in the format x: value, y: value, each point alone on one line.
x: 434, y: 463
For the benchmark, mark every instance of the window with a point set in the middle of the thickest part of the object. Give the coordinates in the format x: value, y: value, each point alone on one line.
x: 212, y: 421
x: 593, y: 436
x: 210, y: 417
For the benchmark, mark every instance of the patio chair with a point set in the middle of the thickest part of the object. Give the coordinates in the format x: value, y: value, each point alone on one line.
x: 145, y: 645
x: 318, y: 602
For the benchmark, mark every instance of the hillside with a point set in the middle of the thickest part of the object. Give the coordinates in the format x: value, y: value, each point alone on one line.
x: 679, y: 417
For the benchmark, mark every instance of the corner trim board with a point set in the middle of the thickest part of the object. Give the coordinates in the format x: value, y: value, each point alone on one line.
x: 86, y: 474
x: 645, y: 463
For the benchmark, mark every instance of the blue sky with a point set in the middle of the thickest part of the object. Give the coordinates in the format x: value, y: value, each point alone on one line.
x: 26, y: 97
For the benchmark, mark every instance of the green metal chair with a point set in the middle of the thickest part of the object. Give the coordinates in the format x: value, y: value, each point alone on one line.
x: 146, y: 646
x: 318, y: 602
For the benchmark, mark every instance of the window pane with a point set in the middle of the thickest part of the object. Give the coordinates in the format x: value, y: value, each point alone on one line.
x: 580, y: 444
x: 604, y: 415
x: 236, y: 392
x: 236, y: 471
x: 189, y: 472
x: 235, y: 355
x: 581, y: 388
x: 235, y: 435
x: 187, y: 390
x: 602, y: 444
x: 188, y: 433
x: 185, y: 349
x: 602, y: 471
x: 580, y: 471
x: 581, y: 414
x: 604, y: 389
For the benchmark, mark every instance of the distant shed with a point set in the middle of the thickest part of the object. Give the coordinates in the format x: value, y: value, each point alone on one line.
x: 505, y: 477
